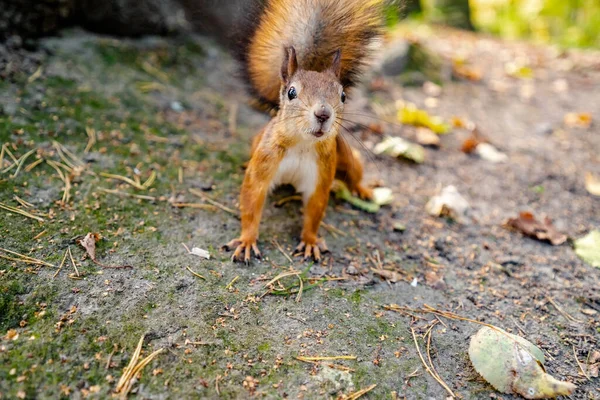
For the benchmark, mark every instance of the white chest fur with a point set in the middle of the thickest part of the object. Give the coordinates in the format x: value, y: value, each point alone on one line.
x: 299, y: 169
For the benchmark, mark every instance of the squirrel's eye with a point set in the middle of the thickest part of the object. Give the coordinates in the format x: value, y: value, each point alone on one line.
x: 343, y: 97
x: 292, y: 93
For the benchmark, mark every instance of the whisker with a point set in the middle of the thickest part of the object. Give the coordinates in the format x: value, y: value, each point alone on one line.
x: 369, y: 152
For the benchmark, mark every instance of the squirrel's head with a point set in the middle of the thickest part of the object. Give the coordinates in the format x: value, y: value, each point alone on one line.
x: 310, y: 101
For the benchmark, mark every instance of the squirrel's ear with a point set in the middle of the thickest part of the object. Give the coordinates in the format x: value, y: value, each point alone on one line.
x: 336, y: 65
x: 289, y: 65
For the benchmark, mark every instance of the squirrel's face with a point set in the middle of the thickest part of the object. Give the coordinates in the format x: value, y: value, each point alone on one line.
x: 312, y: 102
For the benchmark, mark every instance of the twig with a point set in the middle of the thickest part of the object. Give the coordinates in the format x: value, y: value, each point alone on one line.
x: 23, y: 202
x: 22, y: 161
x: 61, y: 265
x: 560, y: 310
x: 217, y: 379
x: 22, y: 212
x: 433, y: 375
x: 195, y: 273
x: 213, y: 202
x: 137, y: 185
x: 91, y: 133
x: 230, y: 284
x: 209, y: 207
x: 26, y: 259
x: 360, y: 393
x: 276, y: 243
x: 287, y: 199
x: 333, y: 229
x: 325, y: 358
x: 39, y: 235
x: 137, y: 196
x: 579, y: 364
x: 34, y: 164
x: 73, y: 261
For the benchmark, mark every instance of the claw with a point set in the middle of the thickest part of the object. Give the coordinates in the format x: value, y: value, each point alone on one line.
x: 312, y: 250
x: 245, y: 247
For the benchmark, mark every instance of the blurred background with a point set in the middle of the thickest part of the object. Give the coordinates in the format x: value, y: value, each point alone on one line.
x: 564, y: 22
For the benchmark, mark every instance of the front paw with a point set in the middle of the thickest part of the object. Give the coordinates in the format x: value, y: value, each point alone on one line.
x: 243, y: 249
x: 364, y: 193
x: 312, y: 249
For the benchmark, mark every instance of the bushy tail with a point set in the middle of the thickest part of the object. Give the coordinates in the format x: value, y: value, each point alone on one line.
x: 316, y: 28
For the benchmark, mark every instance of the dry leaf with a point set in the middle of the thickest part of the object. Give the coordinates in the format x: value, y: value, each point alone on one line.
x: 398, y: 147
x: 588, y: 248
x: 512, y: 364
x: 527, y: 224
x: 578, y: 120
x: 434, y: 280
x: 89, y: 244
x: 489, y: 153
x: 427, y: 137
x: 388, y: 275
x: 592, y: 184
x: 448, y: 202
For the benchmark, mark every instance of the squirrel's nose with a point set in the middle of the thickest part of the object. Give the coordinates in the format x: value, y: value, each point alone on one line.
x: 322, y: 114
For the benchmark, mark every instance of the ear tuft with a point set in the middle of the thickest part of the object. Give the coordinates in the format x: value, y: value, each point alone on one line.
x: 336, y: 65
x: 289, y: 65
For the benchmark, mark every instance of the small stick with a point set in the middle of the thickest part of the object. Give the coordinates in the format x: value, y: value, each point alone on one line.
x: 213, y: 202
x: 23, y: 202
x: 331, y: 228
x: 230, y: 284
x: 276, y: 243
x: 22, y: 212
x: 412, y: 331
x: 560, y: 310
x: 287, y: 199
x: 579, y: 364
x: 28, y: 259
x: 195, y: 273
x: 91, y: 133
x: 137, y: 196
x: 360, y: 393
x: 217, y: 379
x: 22, y: 161
x: 123, y: 179
x: 39, y: 235
x: 34, y: 164
x: 110, y: 356
x: 73, y: 261
x: 180, y: 175
x: 208, y: 207
x: 325, y: 358
x: 61, y: 265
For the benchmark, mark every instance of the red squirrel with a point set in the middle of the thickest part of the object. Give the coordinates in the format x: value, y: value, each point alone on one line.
x: 302, y: 57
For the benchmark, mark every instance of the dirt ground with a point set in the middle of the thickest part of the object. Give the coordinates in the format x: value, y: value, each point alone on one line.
x: 175, y: 108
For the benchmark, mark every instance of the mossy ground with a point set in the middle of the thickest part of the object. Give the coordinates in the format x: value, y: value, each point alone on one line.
x: 165, y: 105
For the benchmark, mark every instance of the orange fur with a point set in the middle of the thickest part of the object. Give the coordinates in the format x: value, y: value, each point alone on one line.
x: 316, y: 28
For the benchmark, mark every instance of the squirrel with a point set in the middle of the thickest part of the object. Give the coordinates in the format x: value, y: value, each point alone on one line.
x: 301, y: 59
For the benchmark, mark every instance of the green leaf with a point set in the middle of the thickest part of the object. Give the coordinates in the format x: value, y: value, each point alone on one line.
x: 588, y: 248
x: 511, y: 364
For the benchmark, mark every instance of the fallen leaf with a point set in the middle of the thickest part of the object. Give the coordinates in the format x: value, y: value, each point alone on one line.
x: 398, y: 147
x: 434, y: 280
x: 578, y: 120
x: 588, y: 248
x: 427, y: 137
x: 489, y: 153
x: 343, y: 193
x: 89, y: 244
x: 469, y: 145
x: 411, y: 115
x: 382, y: 196
x: 514, y: 365
x: 388, y: 275
x: 527, y: 224
x: 592, y: 184
x: 448, y: 202
x: 461, y: 70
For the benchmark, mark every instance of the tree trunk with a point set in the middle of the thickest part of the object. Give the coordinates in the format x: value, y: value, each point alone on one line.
x: 454, y: 13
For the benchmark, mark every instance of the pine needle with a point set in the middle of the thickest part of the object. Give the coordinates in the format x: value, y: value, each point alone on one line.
x: 61, y: 265
x: 433, y: 375
x: 213, y: 202
x: 91, y: 133
x: 34, y: 164
x: 22, y: 212
x: 325, y: 358
x: 22, y: 161
x: 25, y: 259
x: 360, y: 393
x: 134, y: 368
x: 136, y: 196
x: 195, y: 273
